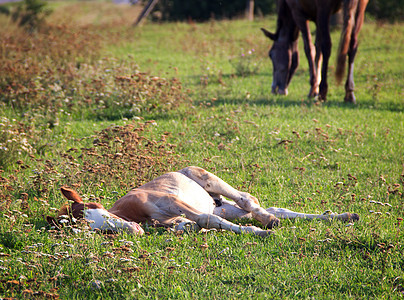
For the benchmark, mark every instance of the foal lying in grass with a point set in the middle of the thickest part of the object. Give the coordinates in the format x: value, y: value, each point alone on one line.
x: 189, y: 198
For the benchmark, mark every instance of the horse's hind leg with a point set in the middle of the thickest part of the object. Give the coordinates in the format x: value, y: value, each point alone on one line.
x: 213, y: 184
x: 318, y: 63
x: 353, y: 47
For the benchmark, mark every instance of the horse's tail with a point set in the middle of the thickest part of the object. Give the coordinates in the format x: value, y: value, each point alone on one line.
x: 349, y: 8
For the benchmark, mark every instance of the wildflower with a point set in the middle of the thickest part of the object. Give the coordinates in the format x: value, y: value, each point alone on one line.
x: 123, y: 259
x: 204, y: 246
x: 224, y: 250
x: 327, y: 240
x: 96, y: 284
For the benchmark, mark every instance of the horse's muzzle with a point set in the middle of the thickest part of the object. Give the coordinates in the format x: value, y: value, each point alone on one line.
x: 279, y: 91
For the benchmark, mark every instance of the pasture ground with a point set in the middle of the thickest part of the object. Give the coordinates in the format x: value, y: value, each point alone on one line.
x: 97, y: 105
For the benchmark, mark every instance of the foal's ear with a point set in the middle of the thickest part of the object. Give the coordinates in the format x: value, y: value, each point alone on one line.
x: 71, y: 194
x: 268, y: 34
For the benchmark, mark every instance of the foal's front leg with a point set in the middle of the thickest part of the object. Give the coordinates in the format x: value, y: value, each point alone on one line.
x: 213, y: 184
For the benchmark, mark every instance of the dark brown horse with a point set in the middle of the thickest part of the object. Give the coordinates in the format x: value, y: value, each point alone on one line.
x: 294, y: 16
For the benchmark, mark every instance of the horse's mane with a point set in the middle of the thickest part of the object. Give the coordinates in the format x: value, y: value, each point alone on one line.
x: 285, y: 19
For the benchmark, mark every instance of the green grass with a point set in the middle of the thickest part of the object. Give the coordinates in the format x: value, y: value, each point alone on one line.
x: 288, y: 151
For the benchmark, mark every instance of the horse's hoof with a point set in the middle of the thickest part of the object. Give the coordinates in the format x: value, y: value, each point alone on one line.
x: 322, y: 98
x: 350, y: 98
x: 313, y: 95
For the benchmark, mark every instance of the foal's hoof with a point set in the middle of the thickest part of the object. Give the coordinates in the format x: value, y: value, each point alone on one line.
x: 264, y: 233
x: 354, y: 217
x: 348, y: 217
x: 273, y: 222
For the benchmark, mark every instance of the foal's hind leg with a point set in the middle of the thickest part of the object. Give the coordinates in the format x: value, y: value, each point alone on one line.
x: 284, y: 213
x: 213, y: 184
x: 229, y: 210
x: 170, y: 209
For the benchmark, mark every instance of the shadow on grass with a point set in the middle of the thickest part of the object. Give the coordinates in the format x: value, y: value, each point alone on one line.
x: 298, y: 99
x: 10, y: 240
x: 285, y: 102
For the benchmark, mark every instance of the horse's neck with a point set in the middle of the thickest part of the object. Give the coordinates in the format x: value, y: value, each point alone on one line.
x: 286, y: 28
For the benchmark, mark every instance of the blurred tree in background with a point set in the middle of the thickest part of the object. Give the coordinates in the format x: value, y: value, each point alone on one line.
x: 392, y: 10
x: 29, y: 14
x: 203, y: 10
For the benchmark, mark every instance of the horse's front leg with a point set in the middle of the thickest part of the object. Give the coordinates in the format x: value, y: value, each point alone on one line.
x: 310, y: 52
x: 318, y: 63
x: 324, y: 40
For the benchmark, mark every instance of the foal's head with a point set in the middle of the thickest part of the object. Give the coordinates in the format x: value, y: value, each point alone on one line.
x: 94, y: 213
x: 74, y: 209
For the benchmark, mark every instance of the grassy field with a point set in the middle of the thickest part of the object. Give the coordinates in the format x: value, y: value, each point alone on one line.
x: 92, y: 103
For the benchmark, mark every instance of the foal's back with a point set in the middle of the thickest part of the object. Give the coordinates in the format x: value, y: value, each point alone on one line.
x: 163, y: 198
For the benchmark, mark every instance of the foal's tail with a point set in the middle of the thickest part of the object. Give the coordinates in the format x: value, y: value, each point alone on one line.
x: 354, y: 11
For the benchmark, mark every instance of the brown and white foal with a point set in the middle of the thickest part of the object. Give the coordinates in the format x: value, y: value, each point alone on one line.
x: 191, y: 197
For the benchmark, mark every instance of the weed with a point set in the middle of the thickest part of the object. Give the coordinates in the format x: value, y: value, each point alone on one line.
x: 246, y: 64
x: 31, y: 14
x: 13, y: 142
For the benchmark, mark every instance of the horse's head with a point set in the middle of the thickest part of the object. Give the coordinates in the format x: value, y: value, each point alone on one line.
x: 285, y: 59
x: 94, y: 213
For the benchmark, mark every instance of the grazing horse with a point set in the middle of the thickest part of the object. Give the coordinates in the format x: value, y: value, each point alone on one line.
x: 187, y: 199
x: 294, y: 16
